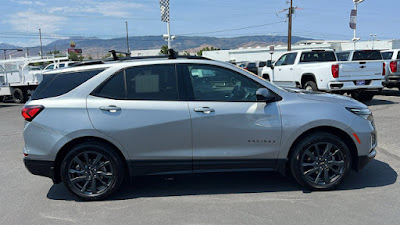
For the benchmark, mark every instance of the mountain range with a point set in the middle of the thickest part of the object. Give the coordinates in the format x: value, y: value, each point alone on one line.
x: 97, y: 47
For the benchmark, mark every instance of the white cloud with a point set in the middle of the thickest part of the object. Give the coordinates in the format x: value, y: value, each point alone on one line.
x: 30, y: 22
x: 30, y: 3
x: 114, y: 9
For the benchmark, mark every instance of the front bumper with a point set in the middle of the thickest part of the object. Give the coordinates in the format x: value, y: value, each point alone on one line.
x: 365, y: 159
x: 40, y: 168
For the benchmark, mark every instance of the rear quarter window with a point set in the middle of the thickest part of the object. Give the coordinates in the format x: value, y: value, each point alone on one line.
x: 61, y: 83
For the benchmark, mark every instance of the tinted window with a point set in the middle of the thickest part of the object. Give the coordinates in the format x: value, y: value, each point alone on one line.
x: 155, y: 82
x: 113, y: 88
x: 290, y: 58
x: 61, y: 65
x: 262, y: 64
x: 211, y: 83
x: 251, y: 65
x: 50, y: 67
x: 58, y: 84
x: 398, y: 55
x: 343, y: 56
x: 281, y: 60
x: 367, y: 55
x: 387, y: 55
x: 318, y: 56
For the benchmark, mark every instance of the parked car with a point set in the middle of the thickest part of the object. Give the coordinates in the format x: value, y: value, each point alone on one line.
x: 319, y: 70
x: 158, y: 116
x: 260, y: 65
x: 58, y: 65
x: 392, y: 61
x: 250, y: 66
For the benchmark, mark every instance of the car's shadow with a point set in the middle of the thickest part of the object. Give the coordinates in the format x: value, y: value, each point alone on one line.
x: 375, y: 174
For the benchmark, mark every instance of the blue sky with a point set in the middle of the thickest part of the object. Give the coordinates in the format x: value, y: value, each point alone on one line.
x: 317, y: 19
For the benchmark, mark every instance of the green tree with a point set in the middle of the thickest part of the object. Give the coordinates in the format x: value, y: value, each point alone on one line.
x: 200, y: 53
x: 164, y: 50
x: 75, y: 56
x: 107, y: 56
x: 53, y: 52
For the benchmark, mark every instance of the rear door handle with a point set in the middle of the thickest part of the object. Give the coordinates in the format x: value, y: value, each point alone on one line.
x: 110, y: 108
x: 205, y: 110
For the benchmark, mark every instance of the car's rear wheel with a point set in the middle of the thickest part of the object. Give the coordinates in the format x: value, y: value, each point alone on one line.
x: 92, y: 171
x: 310, y: 86
x: 320, y: 161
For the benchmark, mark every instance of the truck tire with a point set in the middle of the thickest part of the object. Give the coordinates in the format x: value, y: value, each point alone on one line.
x: 310, y: 86
x: 1, y: 98
x: 266, y: 76
x: 19, y: 96
x: 362, y: 96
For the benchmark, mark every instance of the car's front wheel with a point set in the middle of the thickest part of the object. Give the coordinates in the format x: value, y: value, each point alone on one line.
x: 320, y: 161
x: 92, y: 171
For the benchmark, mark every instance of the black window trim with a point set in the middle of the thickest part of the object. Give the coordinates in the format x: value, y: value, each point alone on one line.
x: 189, y: 87
x: 180, y: 95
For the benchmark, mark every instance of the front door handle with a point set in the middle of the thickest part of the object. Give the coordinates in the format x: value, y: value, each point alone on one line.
x: 110, y: 108
x: 291, y: 68
x: 205, y: 110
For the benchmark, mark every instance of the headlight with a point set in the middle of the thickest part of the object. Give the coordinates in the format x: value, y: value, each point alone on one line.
x: 364, y: 113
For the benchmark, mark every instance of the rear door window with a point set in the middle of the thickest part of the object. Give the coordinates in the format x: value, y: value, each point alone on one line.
x: 153, y: 82
x: 60, y: 83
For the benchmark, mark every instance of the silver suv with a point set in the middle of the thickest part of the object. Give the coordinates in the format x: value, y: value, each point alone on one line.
x: 91, y: 126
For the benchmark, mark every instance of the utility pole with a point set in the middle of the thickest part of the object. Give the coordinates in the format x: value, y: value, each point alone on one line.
x: 289, y: 46
x: 127, y: 39
x: 41, y: 47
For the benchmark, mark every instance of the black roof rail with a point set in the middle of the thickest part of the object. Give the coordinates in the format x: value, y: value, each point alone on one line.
x: 171, y: 55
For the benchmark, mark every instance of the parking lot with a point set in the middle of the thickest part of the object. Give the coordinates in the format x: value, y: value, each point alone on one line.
x: 371, y: 196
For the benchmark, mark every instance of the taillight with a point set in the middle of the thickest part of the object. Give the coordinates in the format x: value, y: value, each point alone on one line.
x: 335, y: 71
x: 393, y: 66
x: 384, y: 69
x: 31, y: 111
x: 245, y: 68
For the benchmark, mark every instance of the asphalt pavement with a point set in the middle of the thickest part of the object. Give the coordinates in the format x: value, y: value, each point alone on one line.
x: 371, y: 196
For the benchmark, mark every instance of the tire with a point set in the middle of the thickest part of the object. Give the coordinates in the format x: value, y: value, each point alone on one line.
x: 266, y: 76
x: 310, y: 86
x: 1, y: 98
x: 92, y: 171
x: 320, y: 161
x: 19, y: 96
x: 362, y: 95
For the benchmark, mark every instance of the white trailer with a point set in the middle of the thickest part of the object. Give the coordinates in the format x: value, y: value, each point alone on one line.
x: 16, y: 79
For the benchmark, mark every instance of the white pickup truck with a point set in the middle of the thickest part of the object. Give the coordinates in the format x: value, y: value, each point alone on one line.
x: 319, y: 70
x: 392, y: 60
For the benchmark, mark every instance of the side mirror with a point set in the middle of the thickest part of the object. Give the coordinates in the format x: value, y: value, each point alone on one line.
x: 270, y: 64
x: 264, y: 95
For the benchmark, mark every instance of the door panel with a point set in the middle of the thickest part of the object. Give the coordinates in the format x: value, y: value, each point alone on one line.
x: 231, y: 130
x: 235, y: 134
x: 139, y: 108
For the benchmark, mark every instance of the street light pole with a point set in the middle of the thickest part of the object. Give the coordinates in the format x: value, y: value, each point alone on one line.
x: 41, y: 48
x: 355, y: 39
x: 127, y: 37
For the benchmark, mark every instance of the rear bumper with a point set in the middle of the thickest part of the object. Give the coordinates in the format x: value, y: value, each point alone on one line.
x: 365, y: 159
x: 351, y: 85
x: 392, y: 80
x: 40, y: 168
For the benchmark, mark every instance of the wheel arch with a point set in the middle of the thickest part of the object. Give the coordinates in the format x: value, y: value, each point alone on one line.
x: 68, y: 146
x: 328, y: 129
x: 307, y: 77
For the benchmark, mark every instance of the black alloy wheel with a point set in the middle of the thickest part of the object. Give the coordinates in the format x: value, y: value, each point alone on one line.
x: 320, y: 161
x: 92, y: 171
